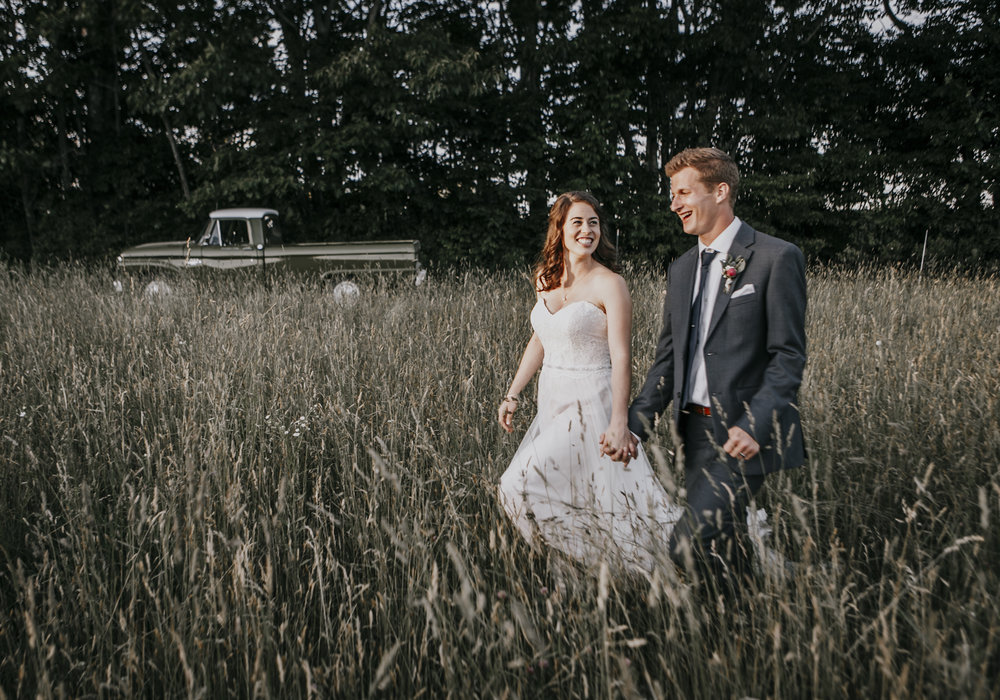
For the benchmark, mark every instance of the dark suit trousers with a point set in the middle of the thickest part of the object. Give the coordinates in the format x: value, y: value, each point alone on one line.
x: 708, y: 536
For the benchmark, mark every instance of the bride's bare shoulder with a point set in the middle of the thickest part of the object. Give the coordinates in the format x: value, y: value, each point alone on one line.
x: 610, y: 281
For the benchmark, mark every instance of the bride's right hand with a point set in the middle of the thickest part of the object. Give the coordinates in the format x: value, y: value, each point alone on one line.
x: 505, y: 414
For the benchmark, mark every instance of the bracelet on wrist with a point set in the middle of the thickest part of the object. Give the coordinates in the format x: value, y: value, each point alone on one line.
x: 510, y: 398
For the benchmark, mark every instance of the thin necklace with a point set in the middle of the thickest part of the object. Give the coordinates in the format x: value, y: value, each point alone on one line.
x: 566, y: 287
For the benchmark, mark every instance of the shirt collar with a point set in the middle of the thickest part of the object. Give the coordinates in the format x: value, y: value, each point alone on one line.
x: 724, y: 242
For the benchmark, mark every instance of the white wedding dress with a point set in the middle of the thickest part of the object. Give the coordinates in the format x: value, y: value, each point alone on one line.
x: 559, y: 488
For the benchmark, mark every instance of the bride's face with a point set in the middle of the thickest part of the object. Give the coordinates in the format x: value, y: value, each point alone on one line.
x: 582, y: 229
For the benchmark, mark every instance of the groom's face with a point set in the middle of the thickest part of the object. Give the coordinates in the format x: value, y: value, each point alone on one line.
x: 703, y: 211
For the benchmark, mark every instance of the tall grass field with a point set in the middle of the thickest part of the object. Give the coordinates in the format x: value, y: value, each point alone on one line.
x: 253, y: 491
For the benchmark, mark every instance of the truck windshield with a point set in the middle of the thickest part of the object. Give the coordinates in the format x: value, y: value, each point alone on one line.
x: 226, y: 232
x: 211, y: 235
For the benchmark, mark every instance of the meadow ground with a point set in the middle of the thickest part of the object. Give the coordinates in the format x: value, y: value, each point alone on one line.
x: 252, y: 491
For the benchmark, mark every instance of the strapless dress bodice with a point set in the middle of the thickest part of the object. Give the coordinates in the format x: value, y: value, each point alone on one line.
x: 574, y: 338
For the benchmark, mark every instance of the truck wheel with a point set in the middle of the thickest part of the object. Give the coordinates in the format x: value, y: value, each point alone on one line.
x: 346, y: 292
x: 157, y: 288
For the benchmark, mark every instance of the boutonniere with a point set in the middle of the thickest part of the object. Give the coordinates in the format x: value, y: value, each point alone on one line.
x: 731, y: 269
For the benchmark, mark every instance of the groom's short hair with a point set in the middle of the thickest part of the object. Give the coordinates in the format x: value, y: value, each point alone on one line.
x: 714, y: 167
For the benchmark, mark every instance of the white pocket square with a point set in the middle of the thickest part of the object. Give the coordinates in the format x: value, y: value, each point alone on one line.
x: 743, y: 291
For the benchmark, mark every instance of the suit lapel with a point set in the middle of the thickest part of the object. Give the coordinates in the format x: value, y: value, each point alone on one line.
x: 681, y: 296
x: 741, y: 247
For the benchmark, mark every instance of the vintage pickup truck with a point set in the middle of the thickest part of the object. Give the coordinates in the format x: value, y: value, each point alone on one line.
x: 250, y: 239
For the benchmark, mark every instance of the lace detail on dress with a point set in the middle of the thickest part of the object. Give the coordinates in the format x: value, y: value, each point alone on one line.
x: 575, y: 337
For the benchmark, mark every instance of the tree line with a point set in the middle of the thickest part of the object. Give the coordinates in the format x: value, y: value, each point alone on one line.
x: 862, y: 129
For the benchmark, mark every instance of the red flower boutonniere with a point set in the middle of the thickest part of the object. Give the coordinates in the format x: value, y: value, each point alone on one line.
x: 731, y: 269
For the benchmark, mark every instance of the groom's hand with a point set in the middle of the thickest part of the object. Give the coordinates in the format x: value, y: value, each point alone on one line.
x: 630, y: 448
x: 740, y: 445
x: 624, y: 453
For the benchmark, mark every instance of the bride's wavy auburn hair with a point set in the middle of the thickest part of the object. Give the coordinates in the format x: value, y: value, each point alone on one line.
x: 549, y: 270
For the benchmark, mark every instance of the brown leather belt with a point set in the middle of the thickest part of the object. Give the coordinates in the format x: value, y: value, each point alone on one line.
x: 700, y: 410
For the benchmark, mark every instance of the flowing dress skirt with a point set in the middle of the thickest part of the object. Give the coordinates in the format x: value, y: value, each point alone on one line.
x: 560, y: 489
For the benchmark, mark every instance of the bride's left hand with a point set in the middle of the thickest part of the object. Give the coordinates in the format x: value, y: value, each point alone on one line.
x: 618, y: 443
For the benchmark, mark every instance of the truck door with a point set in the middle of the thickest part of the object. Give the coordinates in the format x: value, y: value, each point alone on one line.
x: 226, y: 245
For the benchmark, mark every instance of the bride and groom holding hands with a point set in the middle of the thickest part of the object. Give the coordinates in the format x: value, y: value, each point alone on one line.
x: 729, y: 360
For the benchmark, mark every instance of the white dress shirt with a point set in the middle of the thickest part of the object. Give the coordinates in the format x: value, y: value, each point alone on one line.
x: 721, y: 245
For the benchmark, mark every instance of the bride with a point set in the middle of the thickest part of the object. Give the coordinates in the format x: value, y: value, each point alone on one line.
x: 561, y: 487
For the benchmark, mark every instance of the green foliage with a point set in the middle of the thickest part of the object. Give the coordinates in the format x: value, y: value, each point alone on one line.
x: 860, y: 129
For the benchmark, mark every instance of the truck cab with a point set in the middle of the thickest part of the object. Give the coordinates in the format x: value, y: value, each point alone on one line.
x: 236, y: 238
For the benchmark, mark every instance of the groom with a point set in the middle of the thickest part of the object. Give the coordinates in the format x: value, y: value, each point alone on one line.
x: 730, y: 357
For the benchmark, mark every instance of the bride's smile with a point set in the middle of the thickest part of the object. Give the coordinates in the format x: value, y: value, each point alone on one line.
x: 582, y: 230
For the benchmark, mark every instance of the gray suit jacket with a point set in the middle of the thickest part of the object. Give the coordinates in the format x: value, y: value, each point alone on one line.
x: 755, y: 351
